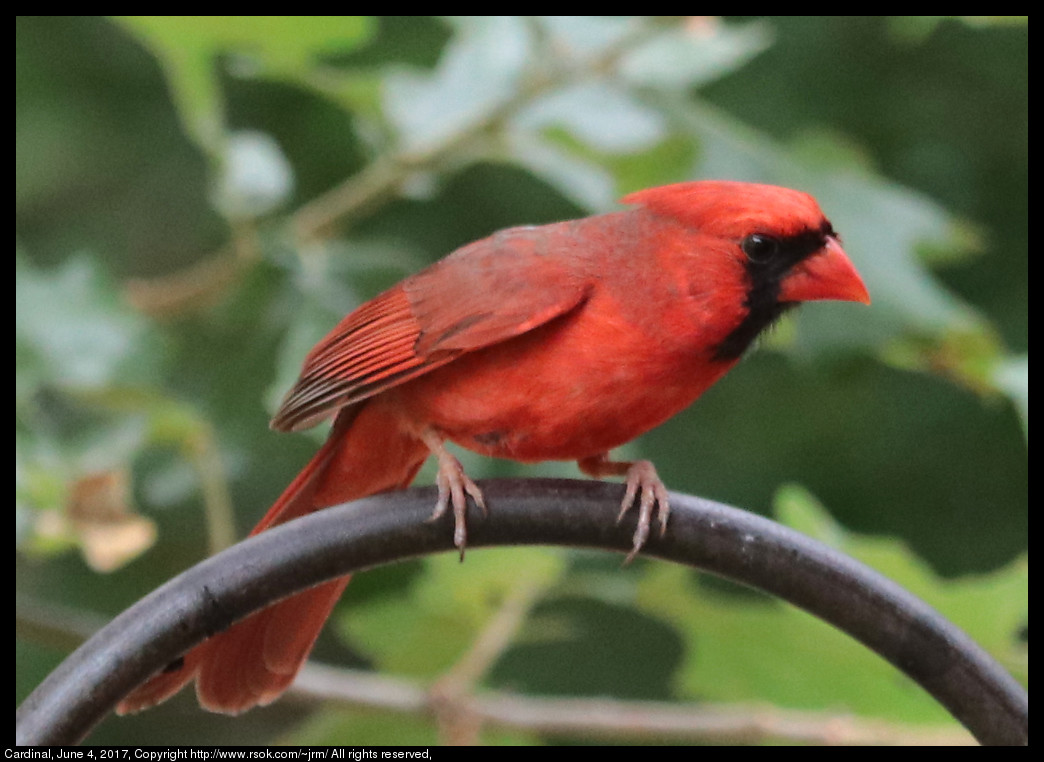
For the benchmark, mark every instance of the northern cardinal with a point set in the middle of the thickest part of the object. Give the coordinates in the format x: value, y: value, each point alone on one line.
x: 556, y: 342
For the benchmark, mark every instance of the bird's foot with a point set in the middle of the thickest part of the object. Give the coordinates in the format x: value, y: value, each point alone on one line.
x: 454, y: 487
x: 644, y: 487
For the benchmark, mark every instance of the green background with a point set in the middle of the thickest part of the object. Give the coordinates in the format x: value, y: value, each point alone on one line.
x: 198, y: 199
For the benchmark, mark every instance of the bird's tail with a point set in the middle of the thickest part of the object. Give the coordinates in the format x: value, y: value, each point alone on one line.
x: 256, y: 659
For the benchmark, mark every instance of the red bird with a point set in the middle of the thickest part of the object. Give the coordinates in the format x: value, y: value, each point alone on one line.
x: 516, y: 346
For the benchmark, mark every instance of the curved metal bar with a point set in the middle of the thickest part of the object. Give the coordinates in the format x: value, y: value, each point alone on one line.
x: 391, y: 527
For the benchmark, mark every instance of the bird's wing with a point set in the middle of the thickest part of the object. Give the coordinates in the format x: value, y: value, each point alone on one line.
x: 482, y: 294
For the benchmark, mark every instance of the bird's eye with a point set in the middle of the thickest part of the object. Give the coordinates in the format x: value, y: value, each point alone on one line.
x: 759, y: 248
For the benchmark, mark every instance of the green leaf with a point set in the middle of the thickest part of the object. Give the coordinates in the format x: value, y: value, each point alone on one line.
x: 587, y: 37
x: 700, y: 51
x: 604, y: 117
x: 283, y: 46
x: 738, y: 648
x: 72, y: 331
x: 1012, y: 375
x: 607, y: 116
x: 447, y: 606
x: 257, y: 177
x: 584, y: 182
x: 480, y: 69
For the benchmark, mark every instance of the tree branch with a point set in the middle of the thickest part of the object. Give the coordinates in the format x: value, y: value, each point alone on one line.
x: 717, y: 538
x: 616, y: 720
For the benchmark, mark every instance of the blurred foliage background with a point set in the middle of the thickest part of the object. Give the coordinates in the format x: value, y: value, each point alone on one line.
x: 199, y: 199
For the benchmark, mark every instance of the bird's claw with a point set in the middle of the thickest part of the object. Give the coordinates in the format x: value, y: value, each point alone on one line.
x: 645, y: 487
x: 454, y: 487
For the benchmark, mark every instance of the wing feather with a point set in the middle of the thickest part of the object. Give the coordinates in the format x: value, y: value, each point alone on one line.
x: 482, y: 294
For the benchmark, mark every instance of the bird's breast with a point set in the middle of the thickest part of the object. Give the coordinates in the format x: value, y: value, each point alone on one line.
x: 577, y: 386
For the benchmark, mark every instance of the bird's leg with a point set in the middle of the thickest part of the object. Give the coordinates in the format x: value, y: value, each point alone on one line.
x: 454, y: 487
x: 641, y: 477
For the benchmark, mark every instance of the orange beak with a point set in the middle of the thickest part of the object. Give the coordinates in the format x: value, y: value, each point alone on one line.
x: 827, y: 274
